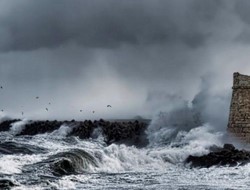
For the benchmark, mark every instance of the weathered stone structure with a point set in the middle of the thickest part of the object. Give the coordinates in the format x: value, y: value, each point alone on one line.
x: 239, y: 116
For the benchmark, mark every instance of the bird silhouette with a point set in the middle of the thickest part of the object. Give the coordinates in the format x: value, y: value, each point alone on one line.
x: 80, y: 110
x: 22, y: 113
x: 93, y: 111
x: 37, y: 97
x: 109, y: 106
x: 47, y: 109
x: 49, y: 103
x: 1, y: 87
x: 1, y: 110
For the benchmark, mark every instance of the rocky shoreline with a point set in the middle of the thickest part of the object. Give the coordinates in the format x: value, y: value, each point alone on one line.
x: 227, y: 155
x: 131, y: 132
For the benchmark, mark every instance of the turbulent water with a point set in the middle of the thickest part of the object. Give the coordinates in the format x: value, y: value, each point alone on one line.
x: 56, y: 161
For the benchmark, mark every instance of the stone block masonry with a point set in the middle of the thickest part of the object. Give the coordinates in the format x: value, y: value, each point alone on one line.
x: 239, y: 115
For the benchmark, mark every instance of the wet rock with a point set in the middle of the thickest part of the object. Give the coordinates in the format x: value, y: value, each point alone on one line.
x: 6, y: 184
x: 130, y: 133
x: 228, y: 155
x: 126, y: 131
x: 39, y: 127
x: 6, y: 125
x: 229, y: 147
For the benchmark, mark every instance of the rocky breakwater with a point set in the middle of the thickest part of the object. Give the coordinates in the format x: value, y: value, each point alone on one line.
x: 128, y: 132
x: 131, y: 132
x: 228, y: 155
x: 5, y: 125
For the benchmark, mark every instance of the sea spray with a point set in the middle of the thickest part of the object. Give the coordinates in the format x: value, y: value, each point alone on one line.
x: 173, y: 136
x: 63, y: 131
x: 97, y: 134
x: 18, y: 126
x: 165, y: 126
x: 176, y: 134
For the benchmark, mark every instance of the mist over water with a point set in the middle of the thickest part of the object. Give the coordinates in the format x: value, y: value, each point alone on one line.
x: 173, y: 136
x: 171, y: 62
x: 181, y: 129
x: 139, y: 57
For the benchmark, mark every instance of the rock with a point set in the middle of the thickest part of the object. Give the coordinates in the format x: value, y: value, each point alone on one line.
x: 229, y: 147
x: 125, y: 131
x: 6, y: 184
x: 6, y: 125
x: 226, y: 156
x: 39, y: 127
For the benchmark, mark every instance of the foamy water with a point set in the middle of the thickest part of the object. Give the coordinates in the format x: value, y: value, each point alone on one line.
x: 160, y: 165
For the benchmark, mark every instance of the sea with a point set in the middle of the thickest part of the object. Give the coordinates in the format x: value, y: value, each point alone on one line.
x: 28, y: 161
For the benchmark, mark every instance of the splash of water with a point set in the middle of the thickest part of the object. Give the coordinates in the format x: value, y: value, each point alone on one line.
x: 18, y: 126
x: 63, y: 131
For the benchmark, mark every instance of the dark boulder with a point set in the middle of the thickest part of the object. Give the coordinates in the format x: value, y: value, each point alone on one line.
x: 229, y: 147
x: 6, y: 125
x: 228, y: 155
x: 39, y: 127
x: 6, y: 184
x: 130, y: 132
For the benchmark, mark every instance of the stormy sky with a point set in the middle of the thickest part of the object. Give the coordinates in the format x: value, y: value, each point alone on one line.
x: 140, y: 56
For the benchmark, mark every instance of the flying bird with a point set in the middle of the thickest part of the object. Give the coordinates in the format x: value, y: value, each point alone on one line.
x: 93, y: 111
x: 37, y: 97
x: 47, y: 109
x: 1, y: 87
x: 80, y: 110
x: 109, y: 106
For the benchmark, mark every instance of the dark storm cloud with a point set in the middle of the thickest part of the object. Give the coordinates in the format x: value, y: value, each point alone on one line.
x: 242, y: 9
x: 28, y: 25
x: 147, y: 54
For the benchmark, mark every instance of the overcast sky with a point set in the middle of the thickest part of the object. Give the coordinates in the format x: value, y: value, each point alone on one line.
x: 140, y: 56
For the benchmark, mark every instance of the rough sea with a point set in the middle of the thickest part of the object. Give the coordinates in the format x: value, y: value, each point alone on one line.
x: 33, y: 162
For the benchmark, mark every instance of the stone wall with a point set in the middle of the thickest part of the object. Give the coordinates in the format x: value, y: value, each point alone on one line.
x: 239, y: 116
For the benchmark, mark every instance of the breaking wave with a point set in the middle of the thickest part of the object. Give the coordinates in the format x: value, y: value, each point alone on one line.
x: 172, y: 137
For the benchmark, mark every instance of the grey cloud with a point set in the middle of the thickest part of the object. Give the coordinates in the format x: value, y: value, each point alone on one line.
x: 107, y: 24
x: 153, y: 51
x: 242, y: 9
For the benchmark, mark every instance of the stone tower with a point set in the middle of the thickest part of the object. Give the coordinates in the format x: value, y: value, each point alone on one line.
x: 239, y: 116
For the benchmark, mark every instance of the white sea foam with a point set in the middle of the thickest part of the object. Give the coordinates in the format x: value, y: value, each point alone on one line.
x: 63, y: 131
x: 10, y: 164
x: 172, y: 136
x: 18, y: 126
x: 97, y: 134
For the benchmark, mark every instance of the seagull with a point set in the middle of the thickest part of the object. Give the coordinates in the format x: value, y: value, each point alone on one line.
x: 109, y: 106
x: 47, y: 109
